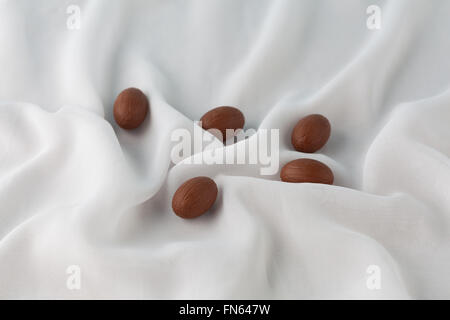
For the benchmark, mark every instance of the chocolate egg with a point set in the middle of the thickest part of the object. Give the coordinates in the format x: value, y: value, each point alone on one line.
x: 311, y: 133
x: 130, y: 108
x: 307, y: 170
x: 222, y: 118
x: 194, y: 197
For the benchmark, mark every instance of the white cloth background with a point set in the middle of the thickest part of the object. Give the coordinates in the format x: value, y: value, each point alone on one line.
x: 77, y: 190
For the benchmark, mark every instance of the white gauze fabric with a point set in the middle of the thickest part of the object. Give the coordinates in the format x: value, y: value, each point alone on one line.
x: 78, y: 191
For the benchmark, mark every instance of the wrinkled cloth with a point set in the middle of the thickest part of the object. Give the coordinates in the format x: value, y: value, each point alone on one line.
x: 77, y: 190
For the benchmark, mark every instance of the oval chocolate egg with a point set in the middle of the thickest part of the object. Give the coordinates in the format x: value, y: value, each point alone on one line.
x: 130, y: 108
x: 194, y: 197
x: 311, y: 133
x: 306, y: 170
x: 222, y: 118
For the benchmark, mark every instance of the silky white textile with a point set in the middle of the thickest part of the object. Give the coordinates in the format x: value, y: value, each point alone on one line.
x: 76, y: 190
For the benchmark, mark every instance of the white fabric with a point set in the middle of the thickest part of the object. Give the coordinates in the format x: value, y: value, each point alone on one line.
x: 77, y: 190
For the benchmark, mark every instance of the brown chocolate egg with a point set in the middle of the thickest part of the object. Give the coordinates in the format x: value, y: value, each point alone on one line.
x: 194, y: 197
x: 307, y: 170
x: 311, y: 133
x: 222, y: 118
x: 130, y: 108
